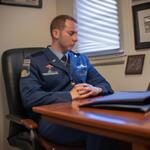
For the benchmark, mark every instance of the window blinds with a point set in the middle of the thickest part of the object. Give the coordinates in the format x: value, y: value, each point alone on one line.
x: 98, y: 26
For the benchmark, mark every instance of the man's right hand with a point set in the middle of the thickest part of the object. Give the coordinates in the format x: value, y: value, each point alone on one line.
x: 84, y: 90
x: 75, y: 93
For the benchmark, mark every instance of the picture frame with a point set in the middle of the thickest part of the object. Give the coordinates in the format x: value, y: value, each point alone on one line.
x: 22, y: 3
x: 141, y: 21
x: 135, y: 64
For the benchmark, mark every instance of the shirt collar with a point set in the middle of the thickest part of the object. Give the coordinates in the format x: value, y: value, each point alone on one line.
x: 57, y: 53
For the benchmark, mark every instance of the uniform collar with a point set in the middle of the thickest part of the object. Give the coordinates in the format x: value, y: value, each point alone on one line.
x: 56, y: 52
x: 54, y: 60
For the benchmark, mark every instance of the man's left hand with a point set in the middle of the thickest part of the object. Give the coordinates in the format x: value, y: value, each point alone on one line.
x: 88, y: 90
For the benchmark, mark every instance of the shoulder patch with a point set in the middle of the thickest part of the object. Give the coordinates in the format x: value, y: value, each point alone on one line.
x: 25, y: 73
x: 26, y: 61
x: 26, y: 68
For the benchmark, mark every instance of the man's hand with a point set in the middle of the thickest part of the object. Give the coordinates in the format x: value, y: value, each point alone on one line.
x: 84, y: 90
x: 75, y: 94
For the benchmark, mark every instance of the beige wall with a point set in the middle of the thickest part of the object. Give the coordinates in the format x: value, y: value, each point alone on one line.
x: 115, y: 73
x: 64, y: 7
x: 21, y: 27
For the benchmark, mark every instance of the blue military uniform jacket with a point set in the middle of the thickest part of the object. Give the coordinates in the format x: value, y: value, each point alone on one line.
x: 45, y: 79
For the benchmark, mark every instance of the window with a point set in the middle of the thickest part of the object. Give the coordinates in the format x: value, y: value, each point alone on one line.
x: 98, y: 27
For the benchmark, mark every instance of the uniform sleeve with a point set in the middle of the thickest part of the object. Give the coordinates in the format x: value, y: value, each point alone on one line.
x: 32, y: 92
x: 96, y: 79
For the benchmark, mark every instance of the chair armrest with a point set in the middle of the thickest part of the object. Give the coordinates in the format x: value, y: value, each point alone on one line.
x: 28, y: 123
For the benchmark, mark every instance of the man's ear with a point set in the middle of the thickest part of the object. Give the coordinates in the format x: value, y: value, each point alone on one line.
x: 56, y: 33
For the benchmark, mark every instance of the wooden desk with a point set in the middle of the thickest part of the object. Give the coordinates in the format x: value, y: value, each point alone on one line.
x: 127, y: 126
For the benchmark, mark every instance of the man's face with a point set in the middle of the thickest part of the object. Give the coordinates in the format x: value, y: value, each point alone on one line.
x: 67, y: 36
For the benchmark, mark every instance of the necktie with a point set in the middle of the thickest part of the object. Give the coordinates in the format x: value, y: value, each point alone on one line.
x: 65, y: 60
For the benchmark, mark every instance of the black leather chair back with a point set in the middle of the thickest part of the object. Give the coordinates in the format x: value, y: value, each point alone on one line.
x: 12, y: 61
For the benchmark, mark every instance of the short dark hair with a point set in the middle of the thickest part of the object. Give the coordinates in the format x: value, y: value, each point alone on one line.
x: 59, y: 22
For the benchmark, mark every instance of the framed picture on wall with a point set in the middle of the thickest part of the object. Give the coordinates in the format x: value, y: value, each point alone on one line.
x: 141, y: 19
x: 23, y: 3
x: 134, y: 64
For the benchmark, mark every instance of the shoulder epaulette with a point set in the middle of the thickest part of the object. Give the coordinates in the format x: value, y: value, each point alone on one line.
x: 37, y: 53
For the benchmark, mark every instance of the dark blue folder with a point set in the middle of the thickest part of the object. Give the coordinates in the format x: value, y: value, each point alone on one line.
x: 130, y: 101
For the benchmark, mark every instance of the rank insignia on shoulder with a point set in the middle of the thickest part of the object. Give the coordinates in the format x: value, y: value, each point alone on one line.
x: 26, y: 68
x: 26, y: 62
x: 25, y: 73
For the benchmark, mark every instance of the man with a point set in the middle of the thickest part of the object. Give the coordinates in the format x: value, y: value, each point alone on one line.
x: 58, y: 74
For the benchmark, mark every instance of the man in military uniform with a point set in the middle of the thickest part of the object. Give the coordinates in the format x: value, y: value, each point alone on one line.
x: 58, y: 74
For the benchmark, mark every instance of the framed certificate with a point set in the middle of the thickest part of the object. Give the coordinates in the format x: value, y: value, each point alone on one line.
x: 23, y: 3
x: 141, y: 18
x: 135, y: 64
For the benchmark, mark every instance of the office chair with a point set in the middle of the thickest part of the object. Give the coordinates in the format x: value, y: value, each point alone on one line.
x: 22, y: 130
x: 148, y: 88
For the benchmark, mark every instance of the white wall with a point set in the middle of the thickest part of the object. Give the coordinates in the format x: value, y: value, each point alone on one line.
x: 115, y: 73
x: 21, y: 27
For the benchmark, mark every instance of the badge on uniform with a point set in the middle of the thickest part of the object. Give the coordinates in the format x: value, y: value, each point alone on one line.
x: 26, y: 68
x: 51, y: 70
x: 49, y: 66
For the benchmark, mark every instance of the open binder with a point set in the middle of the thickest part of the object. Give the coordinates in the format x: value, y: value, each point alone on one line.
x: 130, y: 101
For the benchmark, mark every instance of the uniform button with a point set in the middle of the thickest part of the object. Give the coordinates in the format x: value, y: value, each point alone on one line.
x: 72, y: 83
